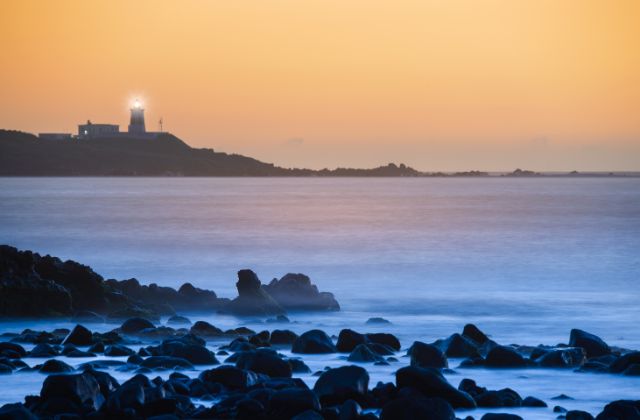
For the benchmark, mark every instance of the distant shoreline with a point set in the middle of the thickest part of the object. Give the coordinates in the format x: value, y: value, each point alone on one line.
x: 25, y: 155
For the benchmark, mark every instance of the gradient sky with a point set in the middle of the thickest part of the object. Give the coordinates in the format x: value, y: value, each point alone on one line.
x: 439, y: 85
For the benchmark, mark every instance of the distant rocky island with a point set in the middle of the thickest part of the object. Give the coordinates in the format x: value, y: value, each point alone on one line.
x: 24, y: 154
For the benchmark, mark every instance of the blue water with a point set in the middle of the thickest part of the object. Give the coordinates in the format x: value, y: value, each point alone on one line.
x: 525, y: 259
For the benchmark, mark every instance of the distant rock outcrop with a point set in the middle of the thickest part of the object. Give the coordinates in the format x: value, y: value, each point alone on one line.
x: 295, y: 292
x: 34, y: 285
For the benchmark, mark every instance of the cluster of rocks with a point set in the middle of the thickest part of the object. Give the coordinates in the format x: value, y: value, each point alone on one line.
x: 256, y: 380
x: 35, y: 285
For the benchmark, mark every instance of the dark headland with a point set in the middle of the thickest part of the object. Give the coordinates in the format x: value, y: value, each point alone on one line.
x: 244, y: 374
x: 24, y: 154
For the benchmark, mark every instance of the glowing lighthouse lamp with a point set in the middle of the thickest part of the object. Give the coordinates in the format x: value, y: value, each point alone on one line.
x: 136, y: 126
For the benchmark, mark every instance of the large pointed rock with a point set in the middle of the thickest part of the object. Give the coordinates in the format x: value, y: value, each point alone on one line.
x: 252, y: 298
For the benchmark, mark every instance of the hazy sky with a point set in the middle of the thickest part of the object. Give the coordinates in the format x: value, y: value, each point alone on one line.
x: 439, y: 85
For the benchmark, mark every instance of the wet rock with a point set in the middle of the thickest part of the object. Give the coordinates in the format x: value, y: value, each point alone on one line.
x: 348, y: 340
x: 289, y: 402
x: 363, y: 354
x: 97, y: 348
x: 503, y: 398
x: 80, y: 336
x: 179, y: 320
x: 55, y: 366
x: 377, y: 321
x: 427, y: 355
x: 504, y: 357
x: 533, y: 402
x: 130, y: 395
x: 252, y: 298
x: 350, y: 410
x: 384, y: 338
x: 563, y: 357
x: 381, y: 349
x: 578, y: 415
x: 203, y: 328
x: 79, y: 389
x: 335, y: 386
x: 470, y: 387
x: 166, y: 362
x: 500, y: 416
x: 474, y: 333
x: 16, y: 350
x: 298, y: 366
x: 264, y: 361
x: 593, y: 345
x: 632, y: 370
x: 561, y: 397
x: 260, y: 339
x: 619, y: 410
x: 624, y: 362
x: 118, y: 350
x: 230, y: 376
x: 188, y: 347
x: 43, y: 350
x: 283, y: 337
x: 16, y: 412
x: 431, y: 383
x: 558, y: 409
x: 313, y: 342
x: 457, y: 346
x: 135, y: 325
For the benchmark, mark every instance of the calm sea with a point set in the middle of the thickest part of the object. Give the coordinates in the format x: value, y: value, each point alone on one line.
x: 525, y: 259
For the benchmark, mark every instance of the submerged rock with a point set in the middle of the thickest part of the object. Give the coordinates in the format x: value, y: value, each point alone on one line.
x: 337, y: 385
x: 431, y: 383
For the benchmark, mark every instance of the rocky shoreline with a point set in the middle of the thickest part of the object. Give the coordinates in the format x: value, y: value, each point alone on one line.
x: 244, y: 374
x: 176, y: 368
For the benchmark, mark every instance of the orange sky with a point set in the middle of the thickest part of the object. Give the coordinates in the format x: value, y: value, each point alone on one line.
x: 437, y: 84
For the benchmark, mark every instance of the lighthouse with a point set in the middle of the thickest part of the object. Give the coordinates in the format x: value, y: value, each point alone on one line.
x: 136, y: 126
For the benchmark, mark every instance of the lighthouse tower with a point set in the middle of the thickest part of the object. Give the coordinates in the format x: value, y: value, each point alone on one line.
x: 136, y: 126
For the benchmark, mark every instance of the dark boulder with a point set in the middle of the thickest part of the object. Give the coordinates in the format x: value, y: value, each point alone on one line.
x: 335, y: 386
x: 504, y: 357
x: 620, y: 410
x: 203, y: 328
x: 16, y: 411
x: 230, y: 376
x: 135, y: 325
x: 80, y: 336
x: 118, y: 350
x: 55, y: 366
x: 593, y: 345
x: 384, y: 338
x: 295, y: 292
x: 298, y: 366
x: 533, y: 402
x: 43, y: 350
x: 474, y: 333
x: 348, y: 340
x: 252, y: 298
x: 431, y: 383
x: 578, y: 415
x: 130, y: 395
x: 80, y: 389
x: 16, y: 349
x: 282, y: 337
x: 264, y: 361
x: 289, y: 402
x: 503, y: 398
x: 501, y: 416
x: 417, y: 409
x: 187, y: 347
x: 313, y: 342
x: 457, y: 346
x: 427, y: 355
x: 166, y: 362
x: 569, y: 357
x: 364, y: 354
x: 470, y: 387
x: 623, y: 362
